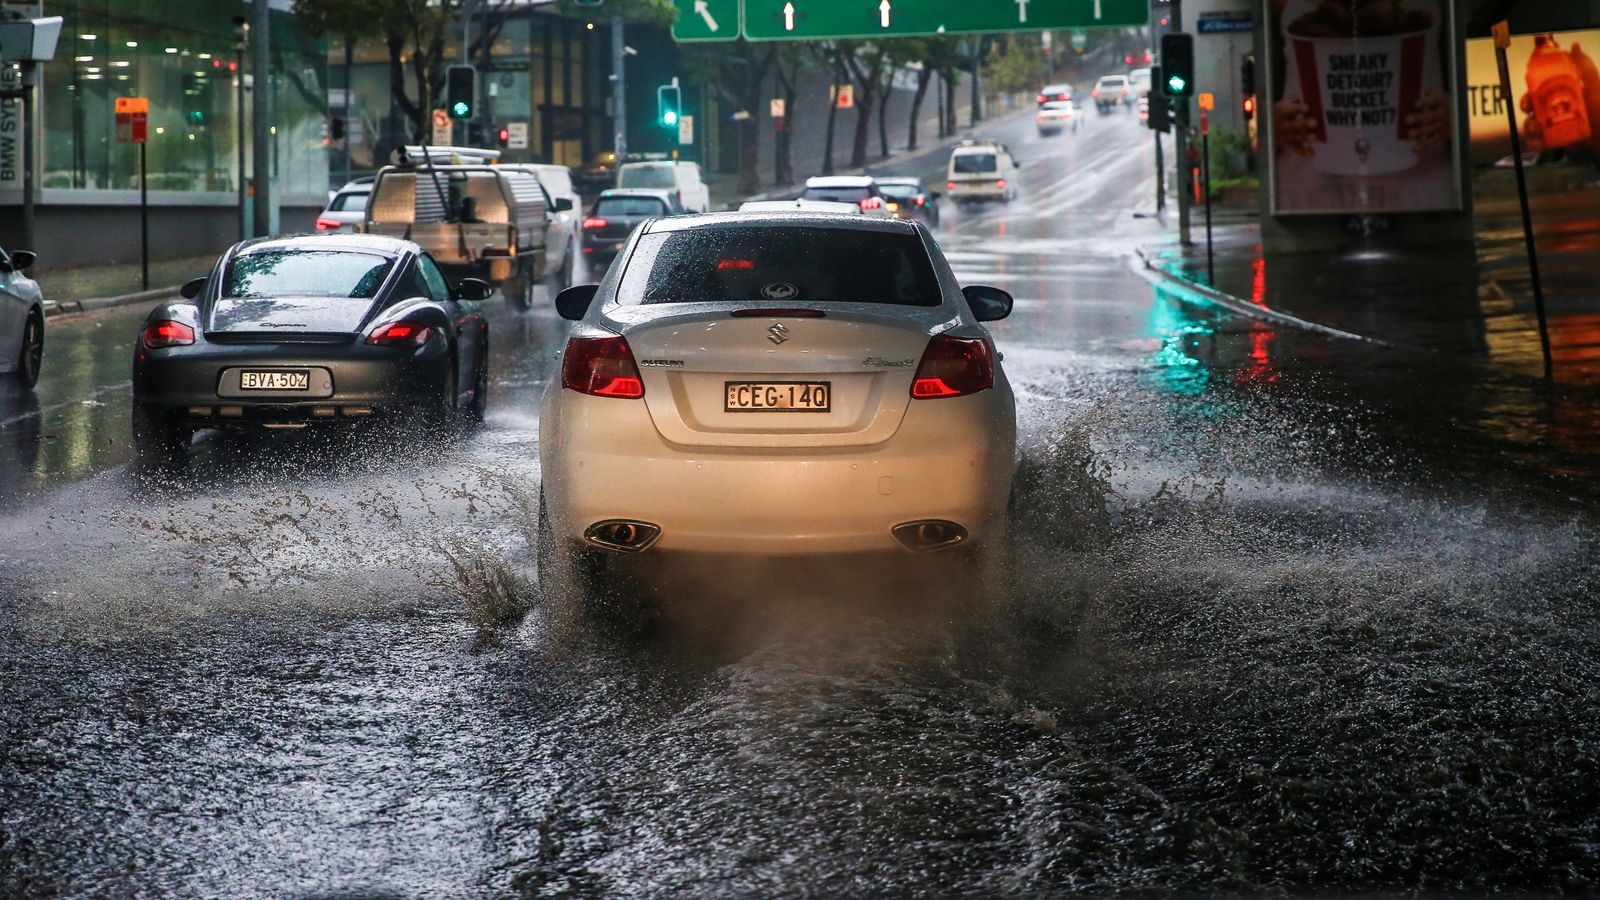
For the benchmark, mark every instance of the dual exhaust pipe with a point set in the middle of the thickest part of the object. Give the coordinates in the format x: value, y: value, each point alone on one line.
x: 629, y: 536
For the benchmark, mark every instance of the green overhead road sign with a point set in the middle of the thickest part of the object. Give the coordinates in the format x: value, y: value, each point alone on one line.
x: 777, y: 20
x: 707, y: 20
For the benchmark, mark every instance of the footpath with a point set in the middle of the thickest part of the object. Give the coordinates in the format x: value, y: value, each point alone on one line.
x: 1473, y: 303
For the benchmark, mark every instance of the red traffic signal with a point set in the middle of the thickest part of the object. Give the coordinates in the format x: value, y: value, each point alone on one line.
x: 504, y: 136
x: 1249, y: 108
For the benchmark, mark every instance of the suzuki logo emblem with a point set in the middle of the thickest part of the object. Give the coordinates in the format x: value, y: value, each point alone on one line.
x: 778, y: 333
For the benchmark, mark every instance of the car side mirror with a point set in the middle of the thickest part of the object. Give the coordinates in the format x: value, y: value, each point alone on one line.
x: 22, y: 260
x: 473, y: 289
x: 192, y: 288
x: 989, y: 304
x: 573, y: 302
x: 562, y: 204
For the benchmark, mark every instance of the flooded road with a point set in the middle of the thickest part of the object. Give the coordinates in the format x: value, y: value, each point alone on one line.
x: 1281, y: 623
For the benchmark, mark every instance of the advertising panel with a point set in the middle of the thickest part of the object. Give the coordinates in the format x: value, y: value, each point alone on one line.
x: 1555, y: 89
x: 1363, y: 117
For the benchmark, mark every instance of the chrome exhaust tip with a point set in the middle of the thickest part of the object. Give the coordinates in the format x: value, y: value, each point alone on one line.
x: 622, y: 535
x: 924, y: 535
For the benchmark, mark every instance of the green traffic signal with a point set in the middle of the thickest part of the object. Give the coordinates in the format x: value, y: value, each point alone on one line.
x: 669, y: 118
x: 1177, y: 63
x: 669, y: 104
x: 460, y: 109
x: 1176, y: 84
x: 461, y: 91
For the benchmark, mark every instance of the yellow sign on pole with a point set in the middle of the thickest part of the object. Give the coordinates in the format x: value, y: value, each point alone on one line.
x: 1208, y: 101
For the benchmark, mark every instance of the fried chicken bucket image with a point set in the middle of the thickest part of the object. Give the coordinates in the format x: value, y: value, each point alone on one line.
x: 1370, y: 86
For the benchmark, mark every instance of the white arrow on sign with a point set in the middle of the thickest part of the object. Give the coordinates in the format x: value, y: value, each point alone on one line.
x: 1097, y: 9
x: 788, y: 17
x: 704, y: 11
x: 883, y: 13
x: 1022, y: 12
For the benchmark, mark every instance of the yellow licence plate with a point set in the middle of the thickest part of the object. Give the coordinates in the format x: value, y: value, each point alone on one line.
x: 778, y: 396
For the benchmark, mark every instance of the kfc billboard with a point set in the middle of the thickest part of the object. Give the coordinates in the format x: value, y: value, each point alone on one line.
x: 1363, y: 119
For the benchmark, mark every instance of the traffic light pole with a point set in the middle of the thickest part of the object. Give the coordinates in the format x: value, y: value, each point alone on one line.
x: 619, y: 93
x: 261, y: 117
x: 1180, y: 141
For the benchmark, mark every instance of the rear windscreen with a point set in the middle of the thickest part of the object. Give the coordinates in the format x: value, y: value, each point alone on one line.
x: 629, y: 206
x: 837, y: 194
x: 898, y: 191
x: 306, y: 273
x: 974, y: 162
x: 647, y: 177
x: 784, y: 263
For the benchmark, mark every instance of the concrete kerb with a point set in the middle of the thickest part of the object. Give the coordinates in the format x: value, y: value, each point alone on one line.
x: 92, y: 304
x: 1157, y: 273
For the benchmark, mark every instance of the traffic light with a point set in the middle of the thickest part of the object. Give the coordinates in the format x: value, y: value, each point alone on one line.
x: 1247, y: 76
x: 669, y: 105
x: 1249, y: 108
x: 1177, y: 65
x: 461, y: 91
x: 504, y: 136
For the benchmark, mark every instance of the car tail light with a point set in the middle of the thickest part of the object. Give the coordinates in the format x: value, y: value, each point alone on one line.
x: 1063, y: 96
x: 593, y: 223
x: 922, y: 199
x: 1041, y: 98
x: 1040, y: 117
x: 400, y: 334
x: 1000, y: 182
x: 1095, y: 92
x: 949, y: 185
x: 167, y: 333
x: 872, y: 203
x: 602, y: 366
x: 743, y: 265
x: 953, y: 367
x: 324, y: 223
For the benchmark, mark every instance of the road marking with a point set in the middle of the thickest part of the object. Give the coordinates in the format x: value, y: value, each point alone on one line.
x: 705, y: 13
x: 788, y: 17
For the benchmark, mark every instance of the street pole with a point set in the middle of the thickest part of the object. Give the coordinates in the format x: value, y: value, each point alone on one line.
x: 30, y: 71
x: 1161, y: 164
x: 1205, y: 177
x: 261, y: 116
x: 1180, y: 141
x: 241, y: 34
x: 463, y: 131
x: 1502, y: 40
x: 349, y: 69
x: 144, y: 222
x: 619, y: 93
x: 977, y: 59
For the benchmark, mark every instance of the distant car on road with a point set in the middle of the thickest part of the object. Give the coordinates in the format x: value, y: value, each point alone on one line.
x: 775, y: 385
x: 908, y: 199
x: 310, y: 331
x: 347, y: 208
x: 566, y: 211
x: 681, y: 178
x: 1139, y: 81
x: 1057, y: 116
x: 1110, y: 92
x: 614, y: 216
x: 21, y: 319
x: 981, y: 170
x: 861, y: 190
x: 1058, y: 91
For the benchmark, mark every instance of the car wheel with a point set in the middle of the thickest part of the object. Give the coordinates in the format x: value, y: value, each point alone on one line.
x: 480, y: 387
x: 31, y: 356
x: 566, y: 572
x: 159, y: 443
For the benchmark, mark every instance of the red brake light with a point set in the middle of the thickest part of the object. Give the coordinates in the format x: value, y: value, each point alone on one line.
x: 602, y: 366
x: 1000, y: 182
x: 1063, y: 96
x: 872, y: 203
x: 167, y: 333
x: 949, y: 185
x: 953, y: 367
x: 922, y: 199
x: 323, y: 224
x: 1095, y: 92
x: 400, y: 334
x: 740, y: 264
x: 593, y: 222
x: 1040, y: 117
x: 1041, y: 98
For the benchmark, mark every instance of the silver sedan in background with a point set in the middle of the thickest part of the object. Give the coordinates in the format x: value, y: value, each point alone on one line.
x: 21, y: 319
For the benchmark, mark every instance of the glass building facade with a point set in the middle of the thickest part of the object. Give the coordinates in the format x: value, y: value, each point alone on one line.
x: 180, y: 55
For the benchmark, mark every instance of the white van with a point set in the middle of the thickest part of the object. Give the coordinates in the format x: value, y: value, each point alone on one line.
x: 982, y: 170
x: 682, y: 177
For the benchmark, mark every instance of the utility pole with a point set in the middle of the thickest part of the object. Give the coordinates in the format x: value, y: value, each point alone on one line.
x: 619, y: 93
x: 464, y: 135
x: 241, y: 41
x: 1180, y: 142
x: 977, y: 90
x: 261, y: 114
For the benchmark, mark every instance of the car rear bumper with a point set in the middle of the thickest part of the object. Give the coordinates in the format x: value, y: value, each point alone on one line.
x: 357, y: 382
x: 951, y: 460
x: 975, y: 191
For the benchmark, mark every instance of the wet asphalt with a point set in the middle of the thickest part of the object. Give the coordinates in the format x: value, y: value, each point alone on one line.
x: 1293, y: 614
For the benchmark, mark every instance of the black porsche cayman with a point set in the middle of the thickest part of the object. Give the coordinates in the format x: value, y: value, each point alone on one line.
x: 306, y: 331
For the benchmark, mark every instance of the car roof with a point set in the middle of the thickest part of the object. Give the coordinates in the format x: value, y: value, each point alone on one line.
x: 784, y: 220
x: 840, y: 181
x: 336, y: 241
x: 1113, y: 78
x: 1058, y: 86
x: 897, y: 179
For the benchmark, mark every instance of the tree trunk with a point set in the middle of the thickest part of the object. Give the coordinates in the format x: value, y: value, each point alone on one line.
x: 397, y: 84
x: 950, y: 102
x: 858, y: 147
x: 784, y: 173
x: 833, y: 116
x: 924, y: 77
x: 883, y: 114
